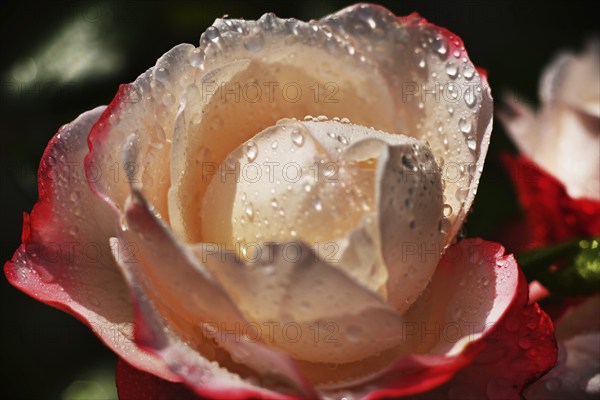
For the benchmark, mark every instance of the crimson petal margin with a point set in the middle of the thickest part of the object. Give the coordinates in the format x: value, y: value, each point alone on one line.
x: 65, y: 259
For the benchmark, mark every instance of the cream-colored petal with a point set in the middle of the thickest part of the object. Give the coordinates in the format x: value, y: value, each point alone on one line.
x: 413, y: 229
x: 279, y: 82
x: 314, y: 310
x: 336, y: 186
x: 439, y: 96
x: 145, y: 109
x: 189, y: 301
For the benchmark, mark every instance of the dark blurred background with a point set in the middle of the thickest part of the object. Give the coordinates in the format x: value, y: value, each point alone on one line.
x: 64, y: 57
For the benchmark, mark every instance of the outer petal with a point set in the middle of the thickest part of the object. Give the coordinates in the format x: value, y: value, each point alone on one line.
x: 65, y: 257
x: 145, y: 108
x: 439, y: 95
x: 133, y: 384
x: 517, y: 343
x: 181, y: 311
x: 577, y: 373
x: 551, y: 213
x: 501, y: 330
x: 333, y: 319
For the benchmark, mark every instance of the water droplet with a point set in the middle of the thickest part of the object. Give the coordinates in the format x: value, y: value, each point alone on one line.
x: 168, y: 99
x: 307, y: 188
x: 456, y: 53
x: 274, y: 144
x: 342, y: 139
x: 525, y: 343
x: 274, y: 203
x: 461, y: 194
x: 322, y: 118
x: 197, y: 58
x: 409, y: 161
x: 485, y: 281
x: 331, y: 135
x: 212, y: 33
x: 250, y: 211
x: 345, y: 121
x: 470, y: 99
x: 447, y: 210
x: 468, y: 72
x: 464, y: 125
x: 297, y: 137
x: 75, y: 196
x: 412, y: 224
x: 255, y: 42
x: 442, y: 48
x: 316, y: 202
x: 471, y: 143
x: 308, y: 118
x: 251, y: 151
x: 450, y: 110
x: 444, y: 225
x: 422, y: 63
x: 162, y: 74
x: 451, y: 70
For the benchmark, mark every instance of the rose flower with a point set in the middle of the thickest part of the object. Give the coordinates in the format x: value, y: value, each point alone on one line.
x: 247, y: 249
x: 557, y: 174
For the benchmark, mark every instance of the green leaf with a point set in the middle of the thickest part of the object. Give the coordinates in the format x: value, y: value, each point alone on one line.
x: 569, y: 268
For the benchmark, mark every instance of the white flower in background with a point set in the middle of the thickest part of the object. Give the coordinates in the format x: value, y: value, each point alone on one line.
x: 563, y: 137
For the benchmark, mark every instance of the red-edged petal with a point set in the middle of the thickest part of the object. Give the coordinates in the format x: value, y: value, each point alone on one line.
x: 133, y: 384
x: 183, y: 316
x: 515, y: 352
x: 65, y: 259
x: 577, y: 372
x: 552, y: 215
x: 515, y: 346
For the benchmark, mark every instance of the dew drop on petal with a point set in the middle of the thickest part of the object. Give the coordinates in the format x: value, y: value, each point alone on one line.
x: 297, y: 137
x: 451, y: 70
x: 168, y: 99
x: 255, y: 42
x: 162, y: 74
x: 470, y: 98
x: 464, y: 126
x: 75, y: 196
x: 251, y: 151
x: 447, y: 210
x: 317, y: 204
x: 250, y: 211
x: 471, y: 143
x: 468, y: 73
